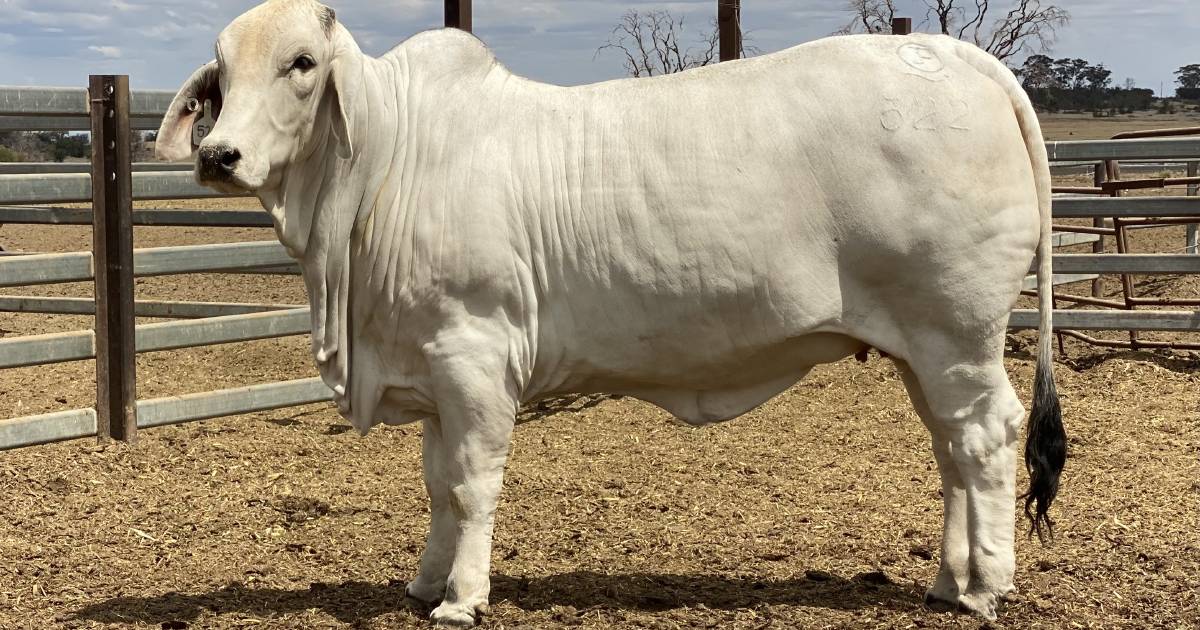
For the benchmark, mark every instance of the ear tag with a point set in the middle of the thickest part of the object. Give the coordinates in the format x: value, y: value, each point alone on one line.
x: 204, y: 123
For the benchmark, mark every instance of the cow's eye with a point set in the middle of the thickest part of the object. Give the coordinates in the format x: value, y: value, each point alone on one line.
x: 304, y: 63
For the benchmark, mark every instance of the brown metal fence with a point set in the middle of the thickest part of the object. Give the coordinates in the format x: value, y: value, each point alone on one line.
x: 1108, y: 182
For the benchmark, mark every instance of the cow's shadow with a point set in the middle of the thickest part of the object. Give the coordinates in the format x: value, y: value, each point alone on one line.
x: 356, y: 601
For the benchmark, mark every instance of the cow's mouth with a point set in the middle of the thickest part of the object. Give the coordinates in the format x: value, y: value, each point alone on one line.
x: 226, y: 184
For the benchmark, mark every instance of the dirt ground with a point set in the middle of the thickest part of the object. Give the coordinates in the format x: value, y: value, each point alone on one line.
x: 820, y: 509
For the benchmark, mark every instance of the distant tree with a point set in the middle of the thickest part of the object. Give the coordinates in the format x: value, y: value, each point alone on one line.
x: 30, y: 146
x: 65, y: 145
x: 1027, y: 26
x: 1069, y: 73
x: 1188, y: 78
x: 1038, y: 73
x: 1097, y: 77
x: 1130, y: 83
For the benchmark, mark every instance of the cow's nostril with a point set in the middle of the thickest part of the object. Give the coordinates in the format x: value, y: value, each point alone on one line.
x: 230, y: 157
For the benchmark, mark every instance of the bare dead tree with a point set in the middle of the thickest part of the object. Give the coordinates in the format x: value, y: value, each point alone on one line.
x: 870, y: 16
x: 653, y: 43
x: 1028, y: 26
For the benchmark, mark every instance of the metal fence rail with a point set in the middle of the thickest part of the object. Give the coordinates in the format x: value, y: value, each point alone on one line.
x: 77, y: 187
x: 19, y: 271
x: 159, y: 217
x: 1170, y: 149
x: 142, y: 308
x: 75, y: 101
x: 1161, y: 321
x: 16, y: 271
x: 1148, y: 264
x: 1127, y: 207
x: 80, y: 345
x: 68, y: 123
x: 25, y: 108
x: 80, y: 423
x: 27, y: 168
x: 47, y: 428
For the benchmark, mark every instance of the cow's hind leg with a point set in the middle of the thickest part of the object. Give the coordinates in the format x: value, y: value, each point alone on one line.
x: 430, y: 584
x: 976, y: 416
x: 953, y: 571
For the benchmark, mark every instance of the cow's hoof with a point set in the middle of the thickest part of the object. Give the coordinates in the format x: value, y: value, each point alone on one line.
x: 425, y: 594
x: 941, y: 602
x: 456, y: 615
x: 979, y: 603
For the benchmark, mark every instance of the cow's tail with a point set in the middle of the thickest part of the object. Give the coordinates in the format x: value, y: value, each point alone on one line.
x: 1046, y: 442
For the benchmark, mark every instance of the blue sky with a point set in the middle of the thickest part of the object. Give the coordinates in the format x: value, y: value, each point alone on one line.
x: 159, y: 42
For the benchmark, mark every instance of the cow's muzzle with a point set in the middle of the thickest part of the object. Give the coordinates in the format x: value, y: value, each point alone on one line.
x: 217, y: 163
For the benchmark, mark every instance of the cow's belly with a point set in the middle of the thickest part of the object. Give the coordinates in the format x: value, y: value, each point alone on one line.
x: 705, y: 387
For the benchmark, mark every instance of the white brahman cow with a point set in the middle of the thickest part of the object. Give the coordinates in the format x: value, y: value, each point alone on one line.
x: 472, y: 241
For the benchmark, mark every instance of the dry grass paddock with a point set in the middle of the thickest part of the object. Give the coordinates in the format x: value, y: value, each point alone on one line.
x: 1087, y: 127
x: 820, y: 509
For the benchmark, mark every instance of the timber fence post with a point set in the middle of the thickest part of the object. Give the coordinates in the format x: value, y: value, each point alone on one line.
x: 729, y: 27
x: 458, y: 14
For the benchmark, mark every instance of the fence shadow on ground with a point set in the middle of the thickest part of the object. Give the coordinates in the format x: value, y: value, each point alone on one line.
x: 355, y: 602
x: 1174, y: 361
x: 570, y: 403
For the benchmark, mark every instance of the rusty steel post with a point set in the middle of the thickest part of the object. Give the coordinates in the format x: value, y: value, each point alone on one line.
x: 112, y: 252
x: 1098, y: 178
x: 1113, y: 168
x: 1192, y: 191
x: 901, y: 26
x: 458, y: 14
x: 729, y: 26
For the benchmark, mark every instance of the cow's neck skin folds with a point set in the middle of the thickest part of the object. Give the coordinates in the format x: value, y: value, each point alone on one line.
x: 328, y: 209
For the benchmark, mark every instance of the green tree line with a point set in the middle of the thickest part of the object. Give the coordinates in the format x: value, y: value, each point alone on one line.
x: 1076, y: 84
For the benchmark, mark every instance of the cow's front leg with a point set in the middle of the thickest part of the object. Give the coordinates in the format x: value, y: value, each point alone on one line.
x: 476, y: 413
x: 430, y: 584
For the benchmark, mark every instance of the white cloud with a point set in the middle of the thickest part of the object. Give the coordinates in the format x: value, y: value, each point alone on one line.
x: 109, y: 52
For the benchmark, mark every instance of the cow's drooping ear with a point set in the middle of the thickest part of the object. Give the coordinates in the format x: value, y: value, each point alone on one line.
x: 345, y: 86
x: 175, y: 141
